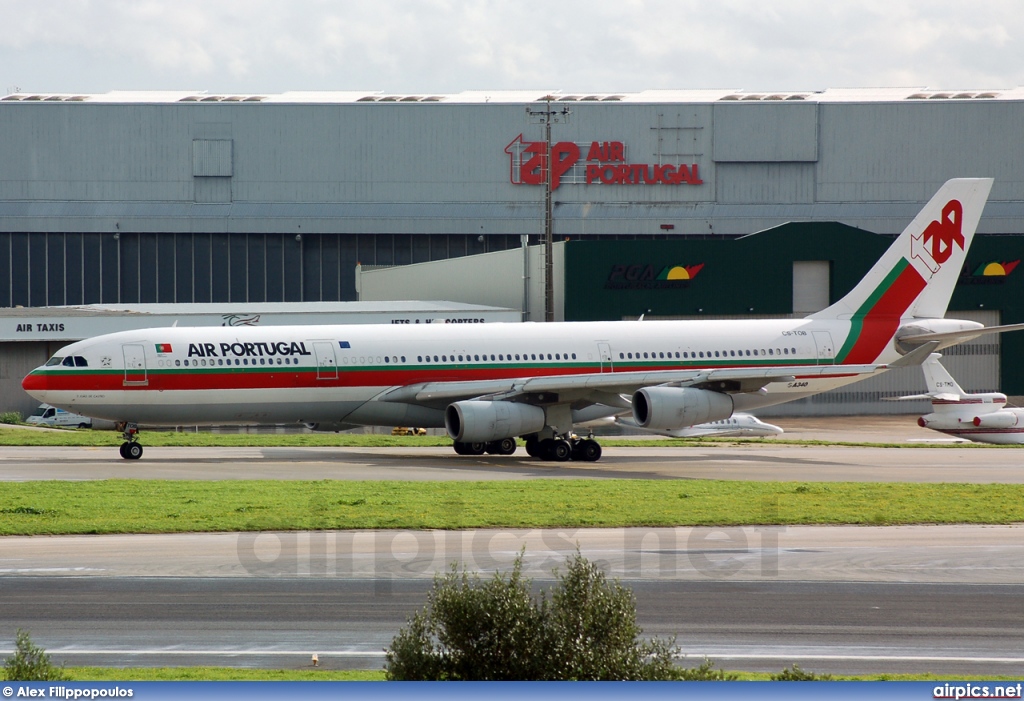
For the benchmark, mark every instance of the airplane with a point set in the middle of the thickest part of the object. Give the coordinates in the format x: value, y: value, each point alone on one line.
x: 739, y: 424
x: 982, y: 417
x: 488, y: 384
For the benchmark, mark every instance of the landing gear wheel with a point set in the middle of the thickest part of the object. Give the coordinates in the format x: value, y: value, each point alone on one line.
x: 533, y: 448
x: 587, y: 450
x: 130, y: 449
x: 506, y: 446
x: 560, y: 450
x: 469, y: 448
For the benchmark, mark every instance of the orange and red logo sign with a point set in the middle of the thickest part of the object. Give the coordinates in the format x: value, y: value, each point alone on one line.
x: 647, y: 276
x: 992, y: 272
x: 996, y: 268
x: 605, y: 164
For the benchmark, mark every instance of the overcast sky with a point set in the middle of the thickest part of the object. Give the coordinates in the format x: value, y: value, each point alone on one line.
x: 443, y: 46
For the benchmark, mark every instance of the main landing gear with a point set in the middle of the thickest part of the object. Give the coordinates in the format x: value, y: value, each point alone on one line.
x: 555, y: 449
x: 562, y: 449
x: 131, y: 449
x: 506, y: 446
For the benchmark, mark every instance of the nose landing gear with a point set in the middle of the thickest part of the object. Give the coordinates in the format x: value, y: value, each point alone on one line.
x: 131, y: 449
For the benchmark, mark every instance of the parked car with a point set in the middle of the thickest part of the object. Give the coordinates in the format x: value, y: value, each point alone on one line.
x: 47, y: 415
x: 407, y: 431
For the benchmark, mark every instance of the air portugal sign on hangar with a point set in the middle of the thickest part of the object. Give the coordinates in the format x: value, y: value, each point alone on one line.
x: 605, y: 163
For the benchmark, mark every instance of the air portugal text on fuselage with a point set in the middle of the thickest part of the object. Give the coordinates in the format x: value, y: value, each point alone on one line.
x: 259, y: 349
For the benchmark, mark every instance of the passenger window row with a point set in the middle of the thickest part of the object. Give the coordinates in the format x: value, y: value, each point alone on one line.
x: 501, y: 357
x: 691, y: 355
x: 203, y: 362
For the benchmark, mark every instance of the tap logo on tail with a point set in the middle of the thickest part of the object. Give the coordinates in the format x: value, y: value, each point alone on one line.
x: 935, y: 244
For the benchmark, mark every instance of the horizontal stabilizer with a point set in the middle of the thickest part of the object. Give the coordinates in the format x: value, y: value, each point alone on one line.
x: 916, y: 356
x: 942, y: 396
x: 959, y: 336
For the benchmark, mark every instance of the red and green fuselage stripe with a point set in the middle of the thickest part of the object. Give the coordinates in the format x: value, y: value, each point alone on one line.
x: 874, y: 324
x: 279, y: 377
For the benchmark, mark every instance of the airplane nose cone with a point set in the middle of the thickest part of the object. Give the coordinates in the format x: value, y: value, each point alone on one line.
x: 35, y: 383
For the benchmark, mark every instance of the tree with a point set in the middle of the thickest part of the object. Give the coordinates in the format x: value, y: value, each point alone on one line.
x: 30, y: 663
x: 592, y: 633
x: 474, y: 630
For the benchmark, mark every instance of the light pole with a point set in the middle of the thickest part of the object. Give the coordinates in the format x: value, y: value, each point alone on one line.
x: 549, y: 282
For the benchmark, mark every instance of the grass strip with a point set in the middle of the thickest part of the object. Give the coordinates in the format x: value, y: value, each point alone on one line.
x: 155, y: 506
x: 159, y: 674
x: 219, y: 674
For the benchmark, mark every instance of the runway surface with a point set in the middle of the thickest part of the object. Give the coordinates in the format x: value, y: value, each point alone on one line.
x: 749, y: 461
x: 837, y: 599
x: 832, y: 599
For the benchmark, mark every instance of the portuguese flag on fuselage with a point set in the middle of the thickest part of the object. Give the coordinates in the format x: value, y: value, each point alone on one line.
x: 163, y: 348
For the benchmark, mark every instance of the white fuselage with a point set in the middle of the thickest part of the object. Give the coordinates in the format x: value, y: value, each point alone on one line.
x: 286, y: 374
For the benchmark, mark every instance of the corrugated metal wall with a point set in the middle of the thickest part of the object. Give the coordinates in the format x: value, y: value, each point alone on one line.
x: 760, y: 163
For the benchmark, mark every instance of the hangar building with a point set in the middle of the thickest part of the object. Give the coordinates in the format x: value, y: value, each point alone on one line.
x: 179, y: 198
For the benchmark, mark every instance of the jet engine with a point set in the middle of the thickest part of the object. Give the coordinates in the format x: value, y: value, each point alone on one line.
x: 480, y: 421
x: 669, y: 408
x: 997, y: 419
x: 942, y: 422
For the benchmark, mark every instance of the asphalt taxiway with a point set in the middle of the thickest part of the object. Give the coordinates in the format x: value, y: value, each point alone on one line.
x: 837, y: 599
x: 747, y: 461
x: 832, y: 599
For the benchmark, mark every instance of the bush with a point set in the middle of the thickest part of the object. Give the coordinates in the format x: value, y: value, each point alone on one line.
x: 10, y: 417
x: 30, y: 663
x: 798, y: 675
x: 496, y: 630
x: 706, y: 672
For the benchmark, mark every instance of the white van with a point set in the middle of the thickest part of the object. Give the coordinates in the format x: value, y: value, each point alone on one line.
x: 47, y: 415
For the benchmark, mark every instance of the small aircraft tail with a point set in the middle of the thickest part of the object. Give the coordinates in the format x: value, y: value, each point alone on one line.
x: 938, y: 380
x: 915, y: 278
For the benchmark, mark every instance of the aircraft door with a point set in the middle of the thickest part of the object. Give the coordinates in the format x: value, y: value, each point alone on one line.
x: 134, y: 364
x: 826, y: 351
x: 604, y: 351
x: 326, y: 362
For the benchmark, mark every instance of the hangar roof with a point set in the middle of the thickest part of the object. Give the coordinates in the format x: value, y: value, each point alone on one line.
x: 74, y: 323
x: 521, y: 96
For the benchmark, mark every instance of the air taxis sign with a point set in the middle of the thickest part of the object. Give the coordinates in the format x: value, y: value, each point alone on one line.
x: 590, y: 163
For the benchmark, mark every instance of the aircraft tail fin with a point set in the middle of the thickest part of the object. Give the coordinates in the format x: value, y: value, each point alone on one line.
x: 916, y: 276
x: 937, y: 378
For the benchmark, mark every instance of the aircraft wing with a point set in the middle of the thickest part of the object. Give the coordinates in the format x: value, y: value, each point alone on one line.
x: 605, y: 388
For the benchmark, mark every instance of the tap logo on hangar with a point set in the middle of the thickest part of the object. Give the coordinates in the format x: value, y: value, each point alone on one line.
x: 605, y: 164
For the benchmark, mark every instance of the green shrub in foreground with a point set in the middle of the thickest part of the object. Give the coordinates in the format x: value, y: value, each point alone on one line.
x: 30, y: 663
x: 10, y: 417
x: 798, y: 675
x: 496, y: 630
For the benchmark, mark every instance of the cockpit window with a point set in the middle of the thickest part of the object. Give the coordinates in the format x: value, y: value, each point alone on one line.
x: 55, y: 360
x: 81, y: 362
x: 69, y: 362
